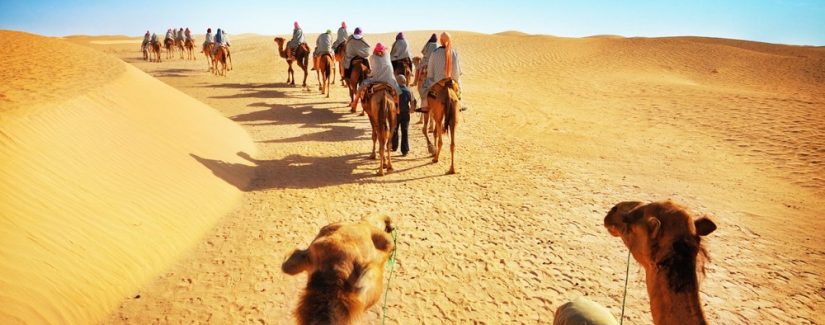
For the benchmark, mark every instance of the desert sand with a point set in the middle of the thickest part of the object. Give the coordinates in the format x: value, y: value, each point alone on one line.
x: 559, y: 130
x: 100, y: 191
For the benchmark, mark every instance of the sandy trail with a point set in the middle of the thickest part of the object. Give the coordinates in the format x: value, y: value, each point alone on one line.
x: 559, y: 130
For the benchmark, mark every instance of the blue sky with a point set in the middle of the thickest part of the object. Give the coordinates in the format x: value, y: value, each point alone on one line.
x: 776, y: 21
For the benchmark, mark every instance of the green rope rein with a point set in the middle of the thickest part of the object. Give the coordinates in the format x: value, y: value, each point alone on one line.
x: 626, y: 275
x: 391, y: 264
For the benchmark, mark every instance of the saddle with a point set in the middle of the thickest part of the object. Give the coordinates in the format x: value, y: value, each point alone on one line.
x: 379, y: 86
x: 439, y: 86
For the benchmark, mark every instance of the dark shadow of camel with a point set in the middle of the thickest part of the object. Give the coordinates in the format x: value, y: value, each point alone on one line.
x: 292, y: 172
x: 299, y: 172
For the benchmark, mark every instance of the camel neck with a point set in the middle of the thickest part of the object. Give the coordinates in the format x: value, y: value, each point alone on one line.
x: 670, y: 307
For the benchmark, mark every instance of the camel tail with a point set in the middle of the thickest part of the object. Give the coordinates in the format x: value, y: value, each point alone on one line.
x: 449, y: 111
x: 383, y: 115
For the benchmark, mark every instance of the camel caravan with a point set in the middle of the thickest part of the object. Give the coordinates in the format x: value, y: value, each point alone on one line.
x: 378, y: 78
x: 180, y: 43
x: 345, y: 266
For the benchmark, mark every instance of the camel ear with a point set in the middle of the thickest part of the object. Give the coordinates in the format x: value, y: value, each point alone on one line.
x: 297, y: 262
x: 653, y: 226
x: 704, y: 226
x: 381, y: 242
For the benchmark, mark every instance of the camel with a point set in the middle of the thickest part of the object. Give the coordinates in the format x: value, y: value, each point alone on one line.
x: 325, y: 67
x: 416, y: 63
x: 301, y: 55
x: 340, y: 53
x: 154, y: 51
x: 169, y: 44
x: 379, y: 103
x: 190, y: 49
x: 345, y: 272
x: 207, y: 51
x: 358, y: 72
x: 667, y: 241
x: 221, y: 56
x: 443, y: 106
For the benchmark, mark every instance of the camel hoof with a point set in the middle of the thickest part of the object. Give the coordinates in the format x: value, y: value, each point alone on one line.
x: 435, y: 160
x: 372, y: 156
x: 450, y: 172
x: 362, y: 114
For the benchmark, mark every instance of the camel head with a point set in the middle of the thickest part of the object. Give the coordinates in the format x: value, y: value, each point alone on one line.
x: 280, y: 41
x: 661, y: 235
x: 416, y: 60
x: 345, y: 268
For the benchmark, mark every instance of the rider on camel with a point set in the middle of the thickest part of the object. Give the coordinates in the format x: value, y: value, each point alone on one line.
x: 440, y: 67
x: 342, y: 36
x: 297, y: 40
x: 400, y: 53
x: 323, y: 45
x: 357, y: 47
x: 380, y: 72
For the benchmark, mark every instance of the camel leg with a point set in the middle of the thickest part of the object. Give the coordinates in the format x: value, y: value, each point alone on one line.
x: 381, y: 148
x: 332, y: 71
x: 452, y: 149
x: 389, y: 145
x: 229, y: 59
x: 424, y: 128
x: 340, y: 66
x: 374, y: 139
x: 326, y: 83
x: 318, y: 75
x: 438, y: 142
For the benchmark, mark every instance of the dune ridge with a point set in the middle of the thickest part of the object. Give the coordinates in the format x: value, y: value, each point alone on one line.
x: 99, y: 190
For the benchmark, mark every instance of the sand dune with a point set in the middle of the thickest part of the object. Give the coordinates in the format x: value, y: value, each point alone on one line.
x: 99, y: 188
x: 559, y: 130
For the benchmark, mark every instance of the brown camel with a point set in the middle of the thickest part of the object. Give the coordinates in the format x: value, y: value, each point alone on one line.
x: 443, y: 106
x: 169, y: 44
x: 154, y: 51
x: 207, y: 51
x: 667, y: 241
x: 301, y: 55
x: 340, y: 52
x: 416, y: 63
x: 190, y: 49
x: 379, y: 103
x: 358, y: 71
x: 221, y: 56
x: 325, y: 67
x: 345, y: 272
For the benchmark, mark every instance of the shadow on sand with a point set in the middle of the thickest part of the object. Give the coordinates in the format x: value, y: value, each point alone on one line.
x: 292, y: 172
x: 300, y: 172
